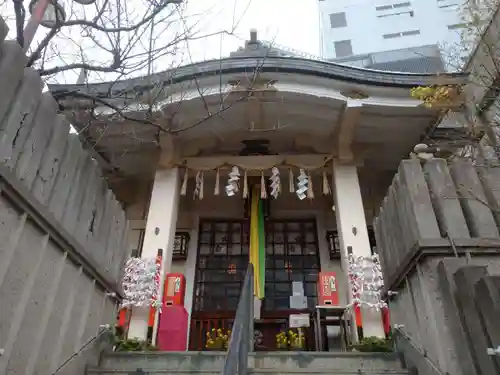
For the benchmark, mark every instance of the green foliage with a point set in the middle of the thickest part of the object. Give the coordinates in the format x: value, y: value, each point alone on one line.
x: 134, y: 345
x: 374, y: 345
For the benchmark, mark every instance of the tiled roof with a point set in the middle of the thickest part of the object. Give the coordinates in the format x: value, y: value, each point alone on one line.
x: 415, y: 65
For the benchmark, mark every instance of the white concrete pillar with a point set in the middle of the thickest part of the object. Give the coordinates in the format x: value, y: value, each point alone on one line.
x: 161, y: 224
x: 351, y: 226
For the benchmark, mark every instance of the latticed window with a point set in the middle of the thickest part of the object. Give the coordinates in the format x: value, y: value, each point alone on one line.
x: 221, y: 264
x: 332, y: 239
x: 223, y: 250
x: 181, y: 243
x: 292, y: 255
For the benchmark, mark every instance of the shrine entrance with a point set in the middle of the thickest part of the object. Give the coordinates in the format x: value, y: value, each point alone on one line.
x: 292, y: 254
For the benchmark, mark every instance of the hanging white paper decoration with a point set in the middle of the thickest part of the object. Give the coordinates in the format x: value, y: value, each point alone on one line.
x: 140, y: 282
x: 263, y: 190
x: 302, y: 184
x: 217, y: 183
x: 245, y: 186
x: 184, y: 183
x: 198, y: 190
x: 232, y: 182
x: 275, y: 182
x: 326, y: 185
x: 291, y: 182
x: 310, y: 189
x: 202, y: 184
x: 366, y: 281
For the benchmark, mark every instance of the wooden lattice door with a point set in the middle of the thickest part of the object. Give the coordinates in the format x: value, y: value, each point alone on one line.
x: 222, y: 261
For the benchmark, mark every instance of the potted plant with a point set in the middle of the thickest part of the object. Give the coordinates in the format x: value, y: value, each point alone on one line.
x: 218, y: 339
x: 297, y: 339
x: 291, y: 339
x: 282, y: 340
x: 374, y: 345
x: 134, y: 345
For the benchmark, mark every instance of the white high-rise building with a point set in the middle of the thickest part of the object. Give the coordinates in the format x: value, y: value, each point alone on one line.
x: 358, y: 27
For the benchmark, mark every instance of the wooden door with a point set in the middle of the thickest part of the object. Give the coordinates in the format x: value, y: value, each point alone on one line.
x: 222, y: 261
x: 292, y: 254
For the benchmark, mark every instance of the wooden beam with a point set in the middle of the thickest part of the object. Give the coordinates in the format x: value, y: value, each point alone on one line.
x: 345, y: 131
x: 253, y: 164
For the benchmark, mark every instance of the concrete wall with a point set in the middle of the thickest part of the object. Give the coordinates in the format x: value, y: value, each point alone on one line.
x: 62, y: 232
x: 436, y: 220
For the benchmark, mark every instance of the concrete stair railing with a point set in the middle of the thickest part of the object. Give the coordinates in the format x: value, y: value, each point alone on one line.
x: 211, y: 363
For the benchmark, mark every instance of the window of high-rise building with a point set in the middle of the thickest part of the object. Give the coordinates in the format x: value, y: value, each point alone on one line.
x: 393, y: 6
x: 343, y: 48
x: 338, y: 20
x: 391, y: 36
x: 399, y: 9
x: 457, y: 26
x: 404, y: 33
x: 411, y: 32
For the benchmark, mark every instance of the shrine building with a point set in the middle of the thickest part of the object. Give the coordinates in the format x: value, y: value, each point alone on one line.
x: 315, y: 143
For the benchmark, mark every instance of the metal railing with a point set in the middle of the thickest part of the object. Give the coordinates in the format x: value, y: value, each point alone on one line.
x: 413, y: 358
x: 241, y: 342
x: 292, y: 52
x: 104, y: 329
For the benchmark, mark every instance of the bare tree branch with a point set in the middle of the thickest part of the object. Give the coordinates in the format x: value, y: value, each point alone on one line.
x: 113, y: 40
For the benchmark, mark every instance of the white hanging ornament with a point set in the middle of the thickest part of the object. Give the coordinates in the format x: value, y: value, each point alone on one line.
x: 263, y: 190
x: 202, y: 184
x: 216, y: 187
x: 275, y: 182
x: 140, y: 282
x: 245, y: 186
x: 310, y: 189
x: 197, y: 180
x: 184, y: 183
x: 291, y: 183
x: 366, y: 281
x: 232, y: 182
x: 198, y: 190
x: 302, y: 184
x: 326, y: 185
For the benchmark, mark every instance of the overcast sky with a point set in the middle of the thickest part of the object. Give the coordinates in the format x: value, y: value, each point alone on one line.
x: 290, y: 23
x: 293, y: 23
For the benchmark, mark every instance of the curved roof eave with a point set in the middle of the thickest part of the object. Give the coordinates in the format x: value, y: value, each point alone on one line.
x: 234, y: 65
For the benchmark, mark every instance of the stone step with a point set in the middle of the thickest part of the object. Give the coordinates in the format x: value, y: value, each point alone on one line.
x: 100, y: 371
x: 279, y: 362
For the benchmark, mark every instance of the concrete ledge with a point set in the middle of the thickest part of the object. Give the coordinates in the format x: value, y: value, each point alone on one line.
x: 254, y: 355
x: 441, y: 247
x: 277, y: 361
x: 96, y: 371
